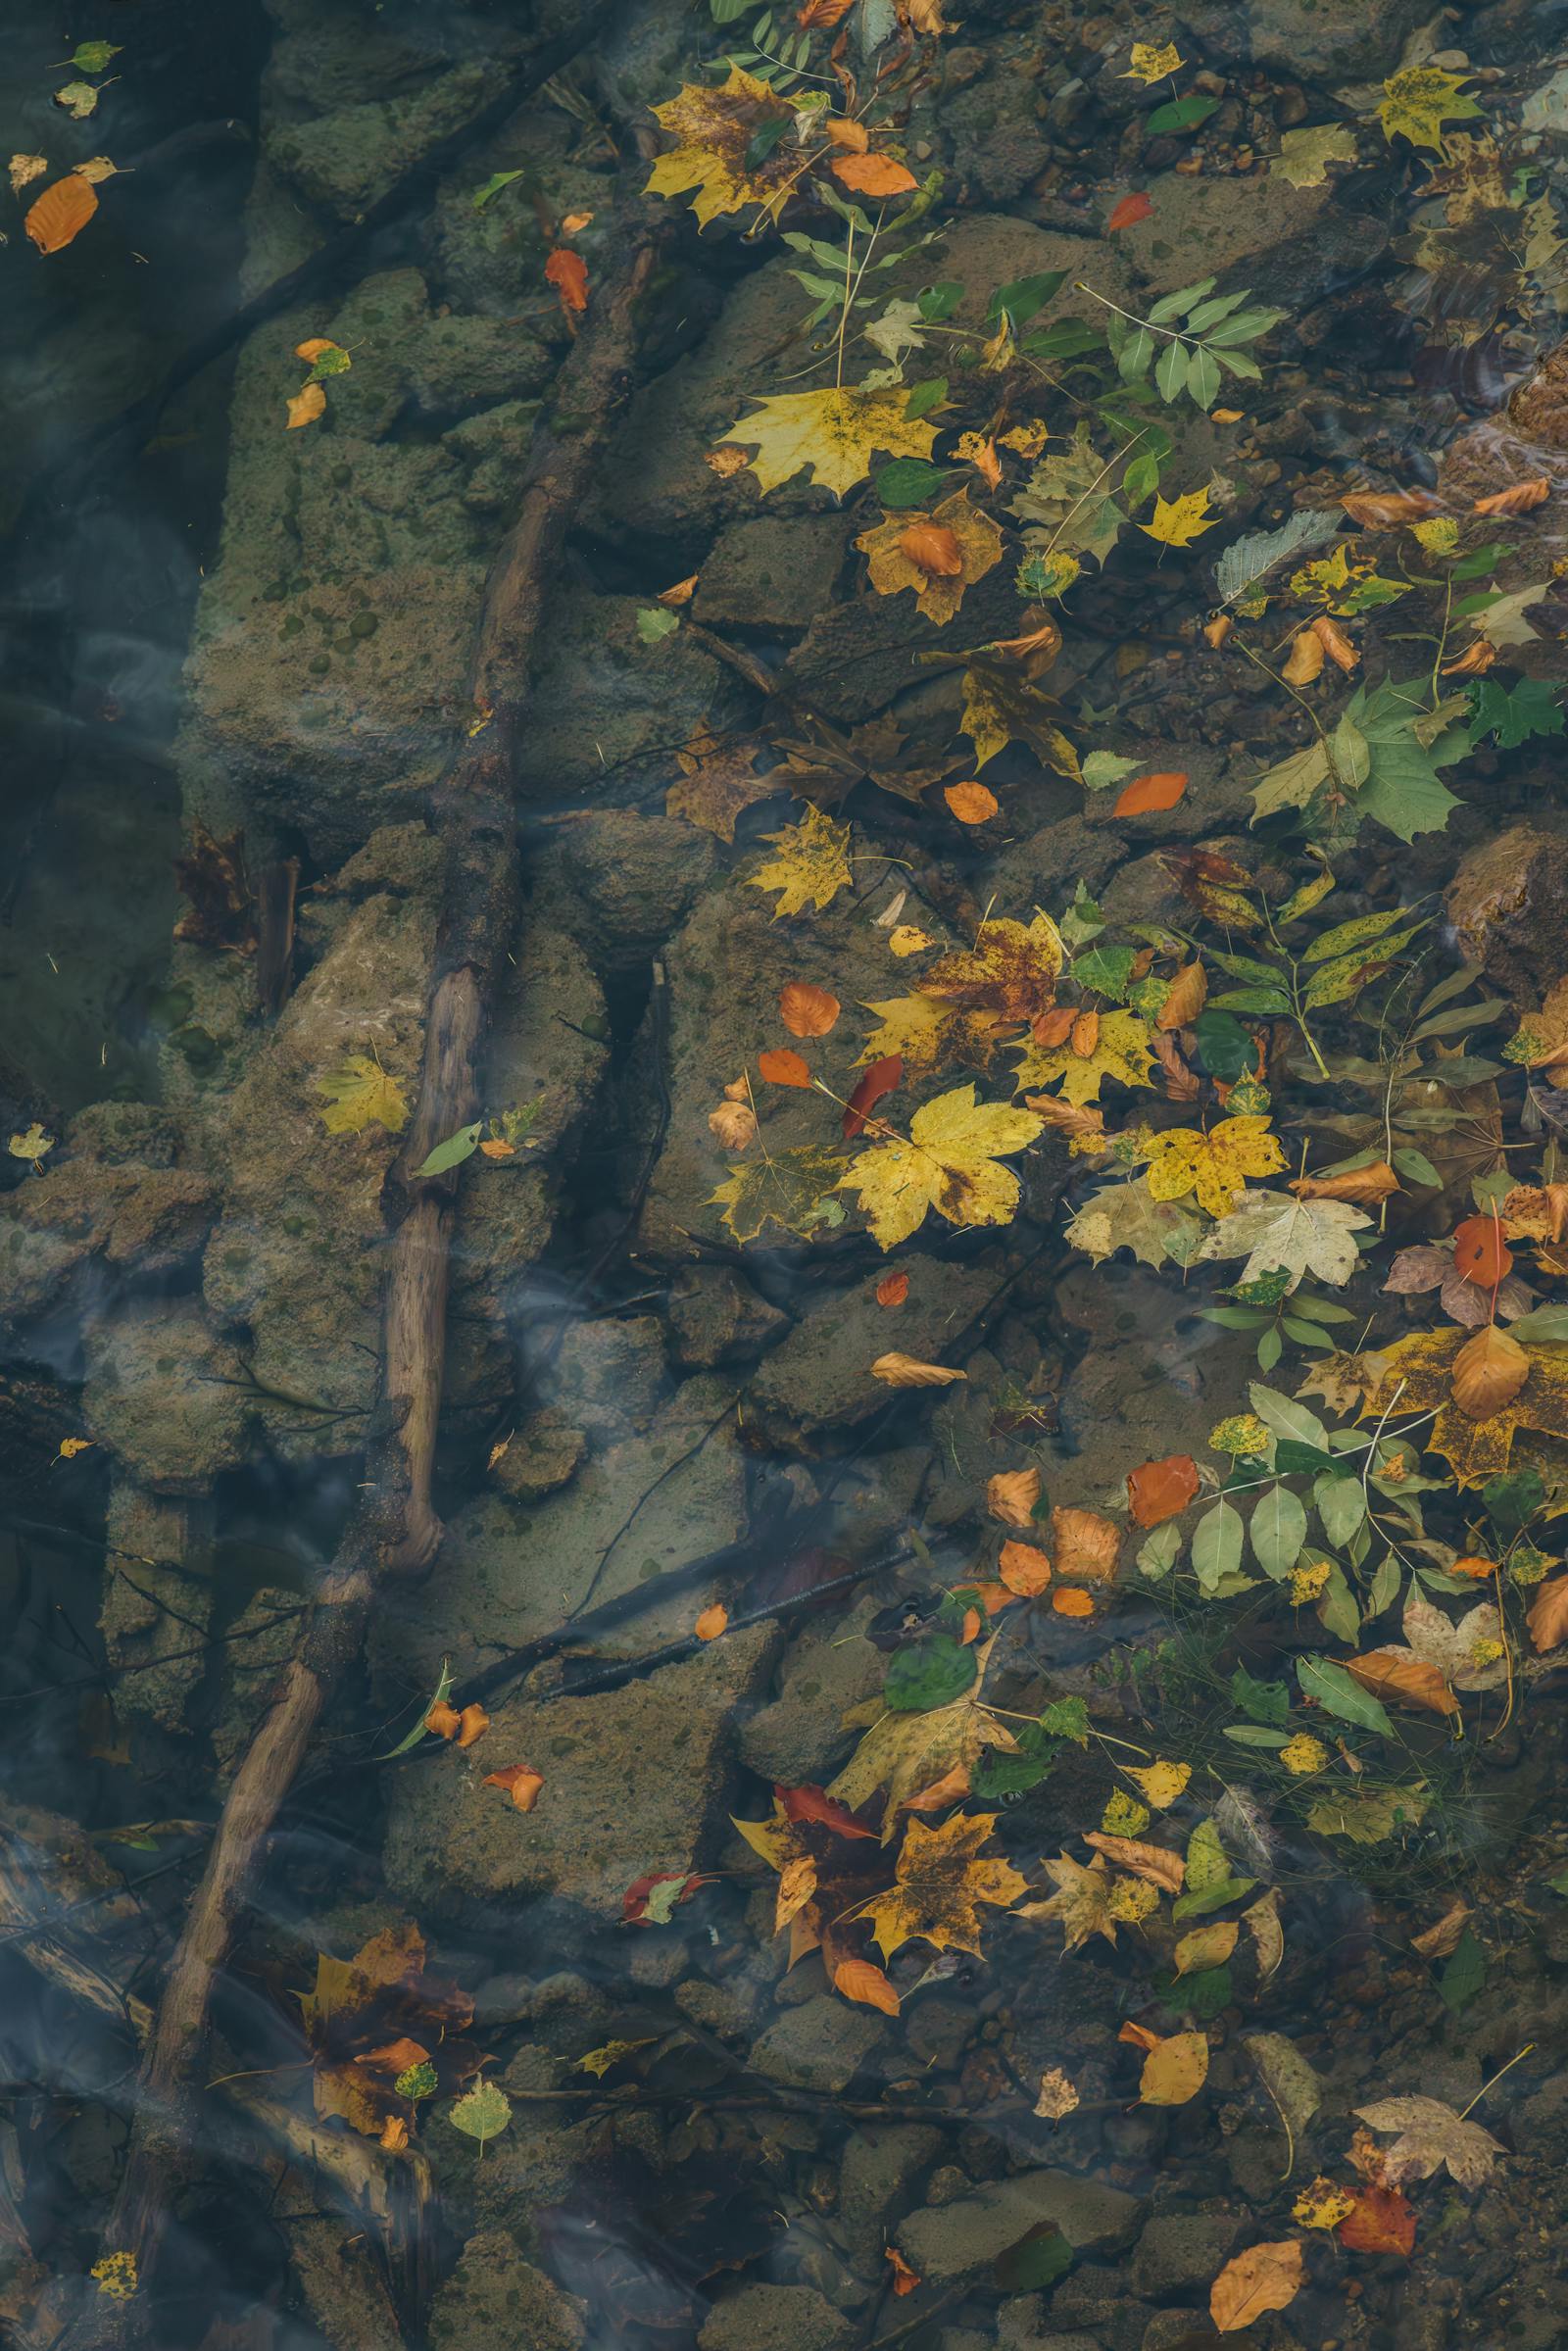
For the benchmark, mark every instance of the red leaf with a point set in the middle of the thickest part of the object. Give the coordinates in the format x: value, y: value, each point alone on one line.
x: 567, y: 272
x: 881, y: 1078
x: 810, y: 1804
x: 1130, y: 209
x: 634, y: 1902
x: 1480, y: 1253
x: 1382, y: 2222
x: 1159, y: 1489
x: 892, y: 1289
x: 1148, y: 793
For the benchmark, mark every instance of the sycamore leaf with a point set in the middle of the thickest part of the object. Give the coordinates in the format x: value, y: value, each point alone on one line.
x: 1420, y: 1369
x: 793, y: 1188
x: 1011, y: 971
x: 830, y: 434
x: 894, y: 547
x: 1306, y: 154
x: 1178, y: 522
x: 360, y: 1094
x: 1276, y: 1234
x: 1123, y: 1216
x: 925, y: 1033
x: 718, y: 781
x: 1215, y: 1166
x: 1121, y: 1052
x: 716, y: 130
x: 1502, y: 621
x: 904, y: 1753
x: 939, y: 1884
x: 1001, y: 707
x: 1417, y: 102
x: 1432, y: 2133
x: 1079, y: 1904
x: 949, y: 1163
x: 812, y: 866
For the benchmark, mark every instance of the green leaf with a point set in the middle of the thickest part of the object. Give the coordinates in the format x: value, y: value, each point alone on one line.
x: 1037, y: 2259
x: 1278, y: 1530
x: 654, y: 623
x: 1385, y: 1589
x: 92, y: 56
x: 1332, y: 1687
x: 1182, y: 114
x: 1414, y: 1165
x: 482, y: 2114
x: 1217, y: 1544
x: 1158, y: 1554
x: 1136, y: 350
x: 1479, y: 561
x: 928, y: 1673
x: 1250, y: 1000
x: 1202, y: 378
x: 1548, y: 1323
x: 1287, y: 1417
x: 1199, y: 1903
x: 1261, y: 1702
x: 1185, y: 298
x: 1342, y: 936
x: 451, y: 1153
x: 1106, y: 968
x: 1253, y: 1734
x: 1005, y: 1773
x: 923, y: 397
x: 1270, y: 1348
x: 1170, y: 370
x: 1513, y: 1496
x: 1531, y: 708
x: 1207, y: 1992
x: 1337, y: 1609
x: 493, y: 187
x: 909, y: 482
x: 1141, y: 479
x: 1067, y: 1718
x: 1464, y: 1974
x: 1022, y: 297
x: 1208, y: 1863
x: 416, y: 2081
x: 1341, y: 1506
x: 939, y: 301
x: 1224, y: 1047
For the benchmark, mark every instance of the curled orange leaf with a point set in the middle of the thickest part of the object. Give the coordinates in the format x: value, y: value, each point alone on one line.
x: 567, y: 272
x: 521, y: 1783
x: 1519, y: 497
x: 472, y: 1724
x: 1336, y: 644
x: 933, y: 550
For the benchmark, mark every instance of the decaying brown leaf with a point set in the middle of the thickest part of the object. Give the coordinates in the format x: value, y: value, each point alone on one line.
x: 1548, y: 1615
x: 212, y: 875
x: 1264, y: 2278
x: 907, y: 1371
x: 1365, y: 1186
x: 1023, y: 1570
x: 806, y: 1010
x: 1438, y: 1940
x: 1488, y: 1371
x: 1154, y: 1863
x: 1305, y: 660
x: 1336, y: 644
x: 1380, y: 510
x: 1185, y: 999
x: 1520, y: 498
x: 1011, y: 1495
x: 1085, y: 1545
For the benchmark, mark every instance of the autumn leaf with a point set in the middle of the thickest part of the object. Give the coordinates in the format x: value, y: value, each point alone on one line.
x: 483, y: 2113
x: 782, y: 1066
x: 1520, y: 498
x: 1011, y: 1495
x: 1178, y: 522
x: 1480, y: 1253
x: 830, y: 434
x: 905, y: 2280
x: 24, y: 169
x: 1121, y: 1052
x: 1206, y: 1946
x: 1174, y: 2070
x: 939, y: 1883
x: 1151, y: 63
x: 1214, y: 1166
x: 873, y: 175
x: 881, y: 1079
x: 1071, y: 1602
x: 710, y: 1622
x: 521, y: 1783
x: 951, y: 1162
x: 1085, y: 1545
x: 62, y: 212
x: 1001, y: 707
x: 716, y: 130
x: 718, y: 783
x: 369, y: 2019
x: 1379, y: 2221
x: 812, y: 866
x: 892, y: 1289
x: 1398, y: 1674
x: 807, y: 1010
x: 1023, y: 1570
x: 1154, y: 1863
x: 1161, y: 1489
x: 567, y: 272
x: 1130, y: 209
x: 906, y: 1751
x: 861, y: 1979
x: 1417, y: 104
x: 972, y: 803
x: 960, y: 545
x: 1488, y: 1371
x: 791, y: 1188
x: 1264, y: 2278
x: 733, y: 1125
x: 1280, y: 1234
x: 1548, y: 1615
x: 908, y: 1371
x: 1011, y: 971
x: 360, y: 1094
x: 1080, y: 1903
x: 1431, y: 2134
x: 1367, y: 1186
x: 306, y: 405
x: 1161, y: 1784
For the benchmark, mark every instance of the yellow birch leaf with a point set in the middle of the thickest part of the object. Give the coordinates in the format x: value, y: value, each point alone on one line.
x: 305, y: 405
x: 1175, y: 2071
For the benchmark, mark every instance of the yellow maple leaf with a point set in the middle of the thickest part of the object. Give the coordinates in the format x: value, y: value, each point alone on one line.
x: 928, y: 1033
x: 1417, y: 102
x: 951, y: 1162
x: 714, y: 128
x: 1178, y: 522
x: 1161, y: 1782
x: 1121, y: 1052
x: 1417, y: 1376
x: 1080, y: 1903
x: 830, y: 434
x: 792, y: 1189
x: 1149, y: 63
x: 999, y: 709
x: 1011, y: 971
x: 1215, y: 1165
x: 812, y: 866
x: 360, y: 1094
x: 906, y: 1751
x: 939, y: 1886
x: 894, y: 567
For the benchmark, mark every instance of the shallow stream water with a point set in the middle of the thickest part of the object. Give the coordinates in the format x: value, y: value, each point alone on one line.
x: 971, y: 1750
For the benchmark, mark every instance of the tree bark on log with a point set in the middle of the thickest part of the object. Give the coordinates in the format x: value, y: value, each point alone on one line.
x: 394, y: 1529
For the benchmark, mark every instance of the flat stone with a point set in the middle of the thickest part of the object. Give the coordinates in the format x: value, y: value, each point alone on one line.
x: 878, y: 2170
x: 770, y: 573
x: 1181, y: 2251
x: 959, y: 2239
x: 775, y: 2317
x: 821, y: 2045
x: 820, y: 1377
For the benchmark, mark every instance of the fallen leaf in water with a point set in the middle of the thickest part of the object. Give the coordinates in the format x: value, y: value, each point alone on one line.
x: 522, y: 1782
x: 952, y: 1162
x: 782, y: 1066
x: 1400, y: 1674
x: 1438, y: 1940
x: 1263, y: 2277
x: 25, y: 168
x: 1057, y: 2095
x: 939, y: 555
x: 811, y: 867
x: 1305, y: 661
x: 1186, y: 998
x: 1336, y: 644
x: 1161, y: 1784
x: 567, y: 272
x: 820, y: 15
x: 360, y: 1094
x: 792, y: 1189
x: 371, y: 2019
x: 1206, y: 1946
x: 72, y: 1447
x: 31, y: 1145
x: 305, y: 405
x: 862, y: 1980
x: 1418, y: 101
x: 908, y: 1752
x: 1130, y: 209
x: 1079, y: 1904
x: 718, y: 781
x: 1154, y: 1863
x: 1322, y: 2205
x: 807, y: 1010
x: 1011, y: 1495
x: 1480, y: 1252
x: 940, y: 1883
x: 733, y: 1125
x: 1147, y: 795
x: 972, y: 803
x: 712, y: 1622
x: 1431, y: 2134
x: 60, y: 212
x: 873, y: 175
x: 482, y: 2114
x: 830, y: 436
x: 880, y: 1079
x: 1366, y: 1185
x: 1175, y: 2071
x: 79, y: 98
x: 1488, y: 1372
x: 719, y: 131
x: 1379, y: 2221
x: 1548, y: 1615
x: 1085, y: 1545
x: 905, y: 2280
x: 472, y: 1724
x: 1421, y: 1369
x: 652, y: 1901
x: 1069, y: 1601
x: 1381, y: 510
x: 1178, y: 522
x: 907, y: 1371
x: 1151, y: 64
x: 1160, y: 1490
x: 1520, y: 498
x: 1023, y: 1570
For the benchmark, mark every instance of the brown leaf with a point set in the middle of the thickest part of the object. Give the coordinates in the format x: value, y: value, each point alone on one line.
x: 734, y: 1124
x: 24, y: 169
x: 988, y: 464
x: 1382, y: 2221
x: 951, y: 1789
x: 1536, y: 1212
x: 1085, y: 1035
x: 1154, y: 1863
x: 1069, y: 1118
x: 907, y: 1371
x: 892, y: 1289
x: 1480, y: 1253
x: 807, y: 1010
x: 932, y: 550
x: 1548, y: 1615
x: 1085, y: 1545
x: 212, y: 875
x: 820, y: 15
x: 712, y: 1622
x: 1181, y: 1084
x: 62, y: 213
x: 1380, y: 510
x: 1045, y: 639
x: 1055, y: 1025
x: 1474, y: 661
x: 394, y: 2134
x: 783, y: 1067
x: 1488, y: 1371
x: 1398, y: 1674
x: 972, y: 803
x: 472, y: 1724
x: 845, y: 133
x: 882, y: 1077
x: 1011, y: 1495
x: 520, y: 1782
x: 567, y: 272
x: 1365, y: 1186
x: 1263, y: 2277
x: 1186, y: 996
x: 1336, y: 644
x: 1216, y: 631
x: 1519, y: 497
x: 1024, y: 1570
x: 905, y: 2280
x: 1174, y: 2070
x: 718, y: 783
x: 1307, y: 659
x: 873, y: 175
x: 1438, y: 1940
x: 681, y: 592
x: 1161, y: 1489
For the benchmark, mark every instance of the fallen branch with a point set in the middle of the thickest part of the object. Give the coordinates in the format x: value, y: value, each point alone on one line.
x: 394, y: 1530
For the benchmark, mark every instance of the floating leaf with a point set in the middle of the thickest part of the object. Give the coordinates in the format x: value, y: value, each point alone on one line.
x: 907, y: 1371
x: 62, y: 212
x: 1177, y: 522
x: 792, y: 1189
x: 1264, y: 2278
x: 862, y: 1980
x: 1174, y: 2070
x: 807, y: 1010
x: 483, y: 2113
x: 951, y: 1162
x: 940, y: 1883
x: 939, y: 555
x: 830, y: 434
x: 1431, y: 2134
x: 717, y: 159
x: 360, y: 1094
x: 1159, y: 1489
x: 811, y: 867
x: 1417, y: 104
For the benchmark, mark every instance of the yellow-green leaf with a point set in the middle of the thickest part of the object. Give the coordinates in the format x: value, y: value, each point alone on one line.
x: 360, y: 1094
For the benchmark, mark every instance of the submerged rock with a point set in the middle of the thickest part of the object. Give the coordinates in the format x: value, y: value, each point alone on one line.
x: 962, y: 2239
x: 1506, y: 903
x: 819, y: 2045
x: 775, y: 2317
x: 494, y: 2298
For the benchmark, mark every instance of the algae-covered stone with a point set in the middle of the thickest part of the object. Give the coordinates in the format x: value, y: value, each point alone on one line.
x: 821, y: 2045
x: 164, y: 1394
x: 775, y: 2317
x: 799, y: 1737
x: 621, y: 881
x: 770, y: 573
x: 962, y: 2239
x: 494, y: 2298
x: 635, y: 1781
x: 714, y: 1317
x: 343, y: 161
x: 820, y: 1377
x: 609, y: 711
x: 880, y: 2167
x: 1181, y: 2250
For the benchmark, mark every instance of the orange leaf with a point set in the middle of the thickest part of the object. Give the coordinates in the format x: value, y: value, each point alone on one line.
x: 473, y: 1723
x: 443, y: 1720
x: 1382, y: 2222
x: 1182, y: 1083
x: 862, y: 1979
x: 781, y: 1067
x: 1187, y: 997
x: 1072, y: 1603
x: 846, y: 132
x: 1548, y: 1615
x: 892, y: 1289
x: 1488, y: 1371
x: 814, y: 1804
x: 1396, y: 1673
x: 1024, y: 1570
x: 1085, y: 1545
x: 1473, y: 1566
x: 575, y: 222
x: 880, y: 1078
x: 1336, y: 644
x: 1137, y: 2036
x: 1474, y: 661
x: 951, y: 1789
x: 1156, y: 1863
x: 905, y: 2280
x: 933, y: 550
x: 567, y: 272
x: 394, y: 2134
x: 972, y: 1628
x: 520, y: 1782
x: 1517, y: 499
x: 1148, y: 793
x: 992, y: 1596
x: 988, y: 465
x: 1480, y: 1252
x: 712, y: 1622
x: 306, y: 404
x: 1055, y: 1026
x: 1379, y: 510
x: 1085, y: 1035
x: 873, y: 175
x: 1263, y: 2277
x: 1011, y: 1495
x: 972, y: 803
x: 60, y: 212
x: 807, y: 1010
x: 1307, y: 659
x: 1160, y: 1490
x: 1365, y: 1186
x: 1130, y: 209
x: 820, y: 15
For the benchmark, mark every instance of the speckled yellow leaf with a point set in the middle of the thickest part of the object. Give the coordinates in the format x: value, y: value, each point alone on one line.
x: 940, y: 1883
x: 951, y: 1162
x: 1121, y: 1052
x: 1079, y: 1903
x: 715, y: 128
x: 1161, y: 1784
x: 830, y: 436
x: 1215, y: 1166
x: 1151, y: 64
x: 811, y: 867
x: 1206, y: 1946
x: 930, y: 1034
x: 791, y: 1188
x: 893, y: 567
x: 1178, y: 522
x: 1001, y: 707
x: 1419, y: 100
